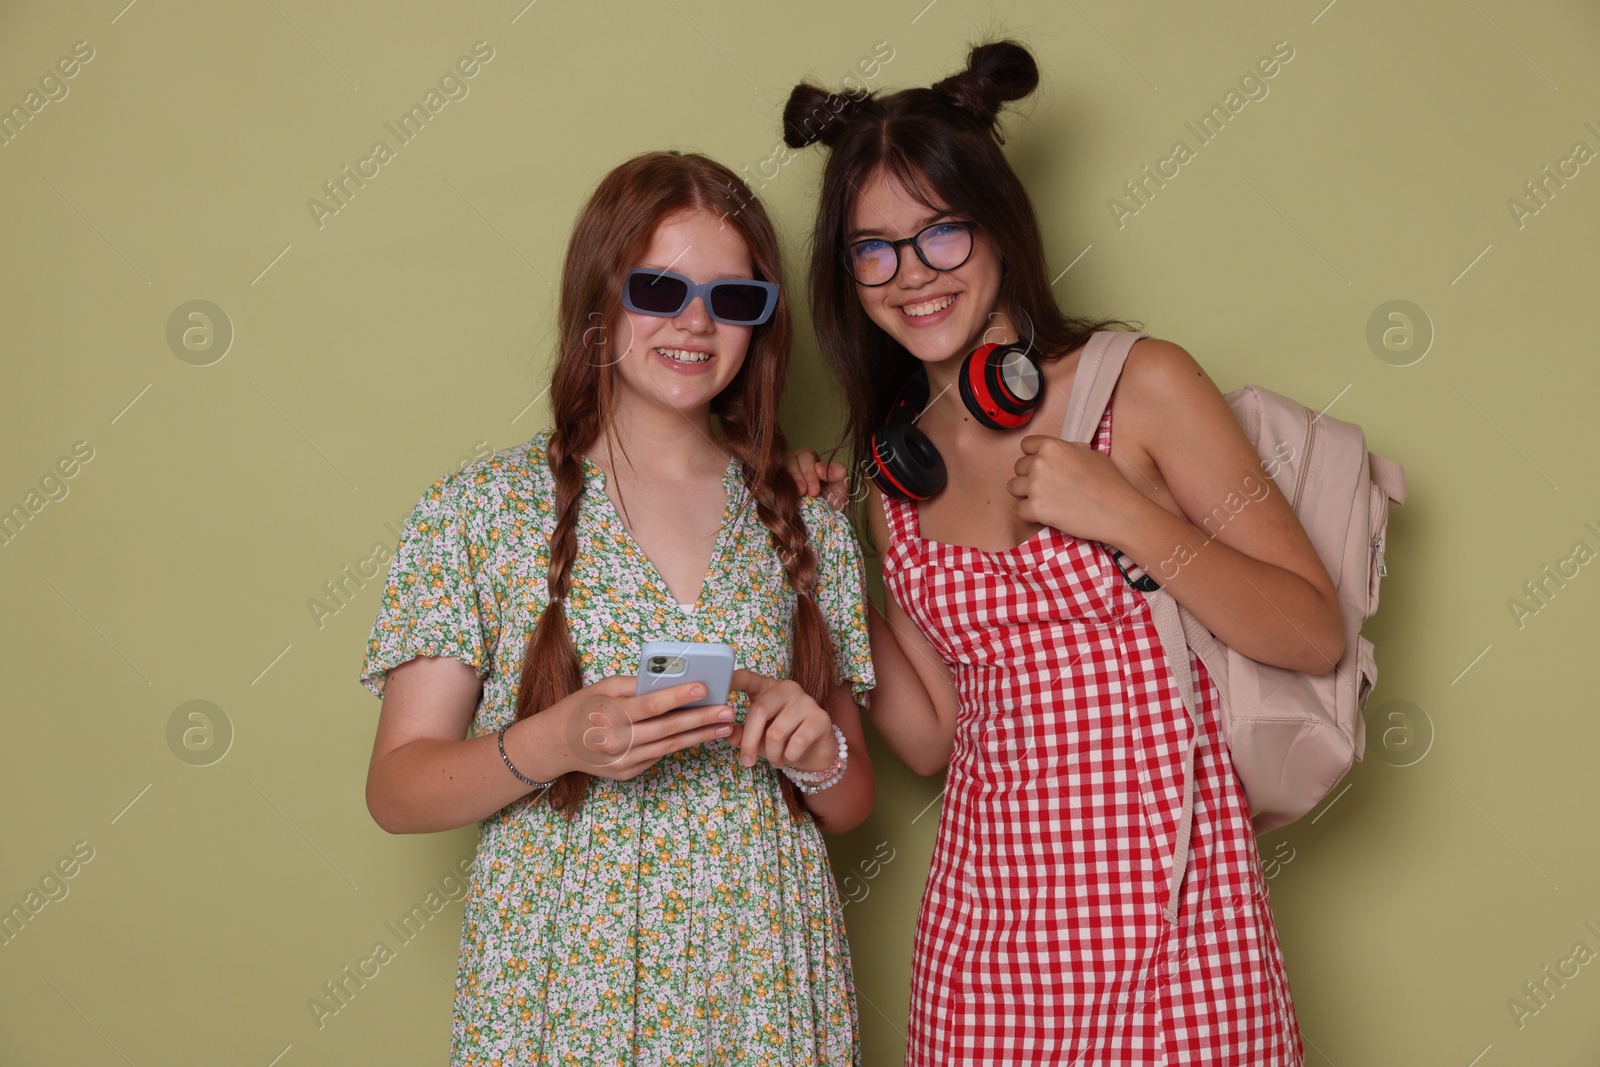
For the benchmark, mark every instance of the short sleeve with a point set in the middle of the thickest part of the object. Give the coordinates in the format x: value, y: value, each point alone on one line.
x: 432, y: 604
x: 841, y: 594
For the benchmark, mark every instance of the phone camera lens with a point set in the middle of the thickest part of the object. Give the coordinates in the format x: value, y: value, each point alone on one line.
x: 657, y: 664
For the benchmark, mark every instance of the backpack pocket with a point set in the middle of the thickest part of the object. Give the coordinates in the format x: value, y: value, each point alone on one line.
x: 1366, y: 670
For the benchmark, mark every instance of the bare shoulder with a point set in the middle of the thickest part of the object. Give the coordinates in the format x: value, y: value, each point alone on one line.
x: 1158, y: 368
x: 1165, y: 400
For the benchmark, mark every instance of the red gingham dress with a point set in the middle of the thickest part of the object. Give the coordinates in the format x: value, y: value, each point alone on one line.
x: 1041, y: 939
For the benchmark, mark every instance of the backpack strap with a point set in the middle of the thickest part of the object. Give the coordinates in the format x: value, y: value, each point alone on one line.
x: 1164, y: 612
x: 1099, y: 366
x: 1388, y: 476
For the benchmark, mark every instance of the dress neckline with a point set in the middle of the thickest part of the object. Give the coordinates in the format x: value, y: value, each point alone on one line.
x: 929, y: 542
x: 732, y: 481
x: 1044, y: 533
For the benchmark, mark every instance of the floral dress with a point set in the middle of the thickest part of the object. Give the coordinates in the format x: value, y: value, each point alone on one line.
x: 681, y: 917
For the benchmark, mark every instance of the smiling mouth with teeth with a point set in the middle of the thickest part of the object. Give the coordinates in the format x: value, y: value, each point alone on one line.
x: 928, y: 307
x: 683, y: 355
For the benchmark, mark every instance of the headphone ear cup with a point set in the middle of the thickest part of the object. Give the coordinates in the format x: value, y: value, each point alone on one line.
x: 1000, y: 385
x: 974, y: 394
x: 905, y: 464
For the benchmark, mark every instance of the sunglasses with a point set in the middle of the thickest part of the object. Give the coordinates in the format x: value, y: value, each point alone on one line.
x: 735, y: 301
x: 942, y: 246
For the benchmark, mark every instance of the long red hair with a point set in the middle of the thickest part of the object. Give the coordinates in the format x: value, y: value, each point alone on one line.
x: 613, y: 231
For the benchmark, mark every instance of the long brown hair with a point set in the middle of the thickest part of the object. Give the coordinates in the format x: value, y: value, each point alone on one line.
x: 943, y: 144
x: 613, y: 231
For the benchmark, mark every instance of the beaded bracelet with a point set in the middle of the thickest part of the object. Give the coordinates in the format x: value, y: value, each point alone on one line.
x: 501, y: 735
x: 809, y: 782
x: 826, y: 772
x: 820, y: 786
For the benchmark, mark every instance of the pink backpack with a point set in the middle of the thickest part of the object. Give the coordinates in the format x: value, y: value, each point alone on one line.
x: 1291, y: 735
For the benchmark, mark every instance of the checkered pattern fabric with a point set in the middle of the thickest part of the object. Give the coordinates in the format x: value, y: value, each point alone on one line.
x: 1041, y: 939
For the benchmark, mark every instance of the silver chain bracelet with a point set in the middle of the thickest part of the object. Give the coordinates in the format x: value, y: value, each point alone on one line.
x: 501, y: 735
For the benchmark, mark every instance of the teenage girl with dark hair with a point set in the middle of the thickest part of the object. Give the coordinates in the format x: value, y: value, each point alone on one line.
x: 1013, y: 651
x: 648, y: 888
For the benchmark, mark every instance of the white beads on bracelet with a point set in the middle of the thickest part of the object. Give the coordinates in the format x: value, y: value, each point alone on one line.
x: 809, y: 782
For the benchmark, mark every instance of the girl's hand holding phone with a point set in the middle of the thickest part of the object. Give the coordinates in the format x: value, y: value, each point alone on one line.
x: 783, y: 724
x: 606, y: 730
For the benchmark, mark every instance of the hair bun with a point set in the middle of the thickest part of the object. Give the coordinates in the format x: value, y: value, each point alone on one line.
x: 997, y: 73
x: 814, y: 114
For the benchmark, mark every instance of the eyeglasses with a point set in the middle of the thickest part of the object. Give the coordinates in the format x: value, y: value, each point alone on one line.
x: 942, y: 246
x: 735, y: 301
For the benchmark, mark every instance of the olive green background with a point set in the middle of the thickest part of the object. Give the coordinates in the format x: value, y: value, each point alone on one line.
x: 412, y: 329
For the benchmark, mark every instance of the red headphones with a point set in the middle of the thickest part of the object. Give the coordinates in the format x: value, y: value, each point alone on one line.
x: 1001, y: 385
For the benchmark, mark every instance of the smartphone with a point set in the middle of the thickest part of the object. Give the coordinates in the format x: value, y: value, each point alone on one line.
x: 664, y: 664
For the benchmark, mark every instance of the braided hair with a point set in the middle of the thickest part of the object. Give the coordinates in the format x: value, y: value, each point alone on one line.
x: 613, y: 230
